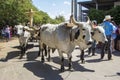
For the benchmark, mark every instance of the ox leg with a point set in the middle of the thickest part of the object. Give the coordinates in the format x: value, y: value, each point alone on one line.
x: 62, y: 64
x: 89, y: 50
x: 62, y: 61
x: 103, y: 51
x: 45, y: 48
x: 42, y: 58
x: 82, y: 56
x: 21, y: 55
x: 39, y: 51
x: 23, y: 50
x: 93, y: 51
x: 70, y: 61
x: 49, y: 54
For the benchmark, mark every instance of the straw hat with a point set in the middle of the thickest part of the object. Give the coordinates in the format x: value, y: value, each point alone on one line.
x: 108, y: 17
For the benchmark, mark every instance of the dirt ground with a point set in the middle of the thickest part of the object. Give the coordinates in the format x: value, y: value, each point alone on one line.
x: 31, y: 67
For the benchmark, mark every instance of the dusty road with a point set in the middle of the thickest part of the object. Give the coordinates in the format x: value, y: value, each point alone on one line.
x: 31, y: 68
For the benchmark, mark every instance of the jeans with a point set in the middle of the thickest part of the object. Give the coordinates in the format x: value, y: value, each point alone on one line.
x: 107, y: 48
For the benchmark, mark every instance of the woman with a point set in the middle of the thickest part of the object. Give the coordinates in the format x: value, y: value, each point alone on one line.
x: 118, y: 38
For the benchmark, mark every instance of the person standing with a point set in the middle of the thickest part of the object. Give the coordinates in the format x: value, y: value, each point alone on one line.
x: 3, y: 32
x: 118, y: 38
x: 108, y: 27
x: 93, y: 47
x: 7, y: 31
x: 113, y: 36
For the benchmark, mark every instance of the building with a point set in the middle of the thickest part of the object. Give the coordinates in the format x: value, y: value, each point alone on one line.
x: 97, y: 4
x: 74, y: 8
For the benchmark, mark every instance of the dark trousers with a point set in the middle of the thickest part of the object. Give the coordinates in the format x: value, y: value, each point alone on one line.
x: 107, y: 48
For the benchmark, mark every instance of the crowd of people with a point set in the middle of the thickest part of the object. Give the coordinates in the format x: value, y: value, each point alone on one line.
x: 112, y: 32
x: 7, y: 32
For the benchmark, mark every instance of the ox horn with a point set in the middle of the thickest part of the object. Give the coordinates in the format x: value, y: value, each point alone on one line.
x: 89, y: 22
x: 70, y: 24
x: 72, y: 20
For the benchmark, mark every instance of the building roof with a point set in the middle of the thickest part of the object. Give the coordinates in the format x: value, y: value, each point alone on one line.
x: 102, y: 4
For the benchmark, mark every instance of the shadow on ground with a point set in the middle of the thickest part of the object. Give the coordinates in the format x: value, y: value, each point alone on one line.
x: 75, y: 65
x: 29, y: 46
x: 32, y: 55
x: 10, y: 55
x: 43, y: 71
x: 118, y: 73
x: 116, y: 53
x: 50, y: 72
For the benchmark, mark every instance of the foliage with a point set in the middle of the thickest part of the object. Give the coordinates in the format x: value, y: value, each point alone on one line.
x: 96, y: 15
x: 99, y: 14
x: 115, y: 13
x: 58, y: 19
x: 13, y: 12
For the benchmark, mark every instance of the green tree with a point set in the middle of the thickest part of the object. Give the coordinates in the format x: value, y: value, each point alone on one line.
x: 58, y: 19
x: 100, y: 14
x: 14, y: 11
x: 115, y: 13
x: 96, y: 15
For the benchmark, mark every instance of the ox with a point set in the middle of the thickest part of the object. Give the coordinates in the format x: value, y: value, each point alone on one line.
x: 64, y: 38
x: 23, y: 37
x: 98, y: 34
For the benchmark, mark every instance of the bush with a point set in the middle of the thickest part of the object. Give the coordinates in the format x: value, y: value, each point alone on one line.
x: 100, y: 14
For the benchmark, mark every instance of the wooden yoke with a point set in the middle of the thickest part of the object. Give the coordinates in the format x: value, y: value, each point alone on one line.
x: 30, y: 13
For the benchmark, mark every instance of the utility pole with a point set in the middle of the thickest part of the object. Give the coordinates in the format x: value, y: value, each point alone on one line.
x: 74, y: 8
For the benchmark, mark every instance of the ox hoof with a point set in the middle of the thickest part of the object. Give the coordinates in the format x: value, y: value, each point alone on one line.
x: 42, y: 60
x: 70, y: 69
x: 110, y: 59
x: 93, y: 54
x: 21, y: 56
x: 83, y: 62
x: 62, y: 69
x: 49, y: 59
x: 70, y: 66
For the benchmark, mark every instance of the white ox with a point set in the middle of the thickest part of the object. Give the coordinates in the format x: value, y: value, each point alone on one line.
x: 98, y: 34
x: 23, y: 37
x: 59, y: 37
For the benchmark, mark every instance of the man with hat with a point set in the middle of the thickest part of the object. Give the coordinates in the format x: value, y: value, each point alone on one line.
x: 108, y: 27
